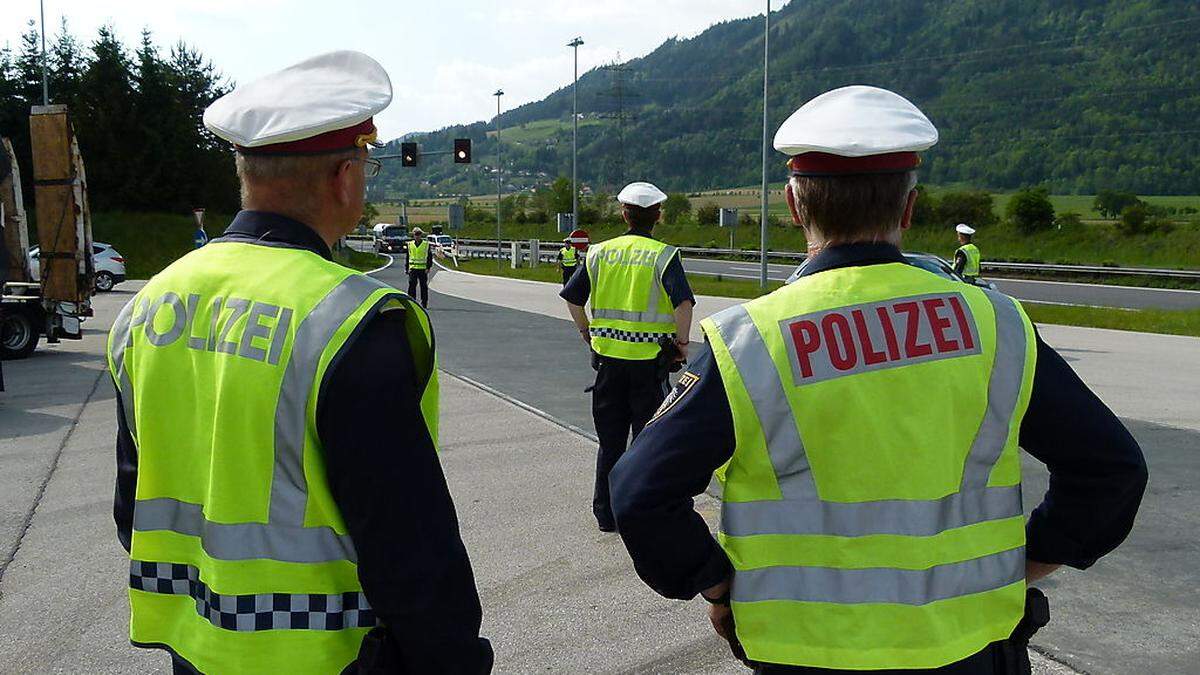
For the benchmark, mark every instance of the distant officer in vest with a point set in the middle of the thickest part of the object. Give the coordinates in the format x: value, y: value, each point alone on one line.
x: 966, y: 258
x: 641, y: 317
x: 274, y: 524
x: 418, y: 258
x: 864, y: 423
x: 568, y: 260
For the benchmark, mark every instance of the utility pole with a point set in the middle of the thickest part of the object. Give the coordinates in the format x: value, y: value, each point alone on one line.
x: 499, y: 173
x: 45, y: 77
x: 575, y: 136
x: 762, y: 270
x: 620, y: 93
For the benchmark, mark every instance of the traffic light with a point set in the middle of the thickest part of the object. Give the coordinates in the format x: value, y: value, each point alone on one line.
x: 409, y: 154
x: 462, y: 151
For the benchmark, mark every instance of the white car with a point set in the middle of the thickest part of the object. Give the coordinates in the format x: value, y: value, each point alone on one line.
x: 110, y: 266
x: 445, y: 243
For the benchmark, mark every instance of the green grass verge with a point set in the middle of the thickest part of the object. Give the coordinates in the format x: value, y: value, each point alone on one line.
x: 151, y: 241
x: 1173, y: 322
x: 728, y: 288
x: 358, y: 260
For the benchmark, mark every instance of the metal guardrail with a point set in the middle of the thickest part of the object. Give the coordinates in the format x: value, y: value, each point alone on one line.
x: 798, y: 257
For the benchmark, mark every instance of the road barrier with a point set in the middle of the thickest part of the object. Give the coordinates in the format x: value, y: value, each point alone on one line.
x: 467, y: 245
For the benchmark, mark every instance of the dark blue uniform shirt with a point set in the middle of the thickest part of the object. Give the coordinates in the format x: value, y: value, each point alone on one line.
x: 1097, y: 472
x: 387, y: 481
x: 674, y: 282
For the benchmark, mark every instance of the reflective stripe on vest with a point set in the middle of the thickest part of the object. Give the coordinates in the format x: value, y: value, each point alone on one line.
x: 843, y: 566
x: 972, y: 257
x: 570, y: 257
x: 418, y: 255
x: 617, y: 310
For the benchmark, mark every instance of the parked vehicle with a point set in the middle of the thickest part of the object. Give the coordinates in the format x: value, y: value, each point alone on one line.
x: 110, y: 265
x: 445, y: 243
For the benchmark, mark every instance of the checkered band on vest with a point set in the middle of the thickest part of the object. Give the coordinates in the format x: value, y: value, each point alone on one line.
x: 627, y: 336
x: 264, y: 611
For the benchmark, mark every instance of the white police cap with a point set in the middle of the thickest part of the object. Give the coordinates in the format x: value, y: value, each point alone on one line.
x: 321, y: 104
x: 963, y: 228
x: 853, y: 130
x: 641, y: 194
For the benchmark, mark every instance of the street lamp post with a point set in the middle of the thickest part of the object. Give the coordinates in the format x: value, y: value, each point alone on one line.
x: 499, y: 172
x: 45, y: 77
x: 762, y: 269
x: 575, y: 136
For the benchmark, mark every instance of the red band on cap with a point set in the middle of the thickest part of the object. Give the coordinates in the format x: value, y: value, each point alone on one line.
x: 825, y: 164
x: 349, y: 138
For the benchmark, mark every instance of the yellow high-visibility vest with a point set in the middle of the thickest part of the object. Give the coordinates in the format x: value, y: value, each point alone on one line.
x: 872, y: 507
x: 971, y: 254
x: 570, y: 257
x: 240, y: 559
x: 418, y: 255
x: 631, y: 311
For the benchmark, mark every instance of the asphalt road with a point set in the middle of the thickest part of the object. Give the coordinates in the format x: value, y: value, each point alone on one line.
x: 1137, y: 610
x: 1036, y: 291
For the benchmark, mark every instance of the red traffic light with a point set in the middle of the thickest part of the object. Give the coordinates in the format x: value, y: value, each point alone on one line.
x: 462, y: 151
x: 409, y: 154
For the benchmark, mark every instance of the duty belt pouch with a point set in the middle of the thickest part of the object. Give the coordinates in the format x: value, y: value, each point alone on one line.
x: 378, y: 655
x: 1016, y: 647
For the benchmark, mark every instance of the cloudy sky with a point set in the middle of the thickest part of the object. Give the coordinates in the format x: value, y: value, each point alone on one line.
x: 445, y: 57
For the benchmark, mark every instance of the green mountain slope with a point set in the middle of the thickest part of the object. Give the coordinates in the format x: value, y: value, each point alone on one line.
x: 1077, y: 94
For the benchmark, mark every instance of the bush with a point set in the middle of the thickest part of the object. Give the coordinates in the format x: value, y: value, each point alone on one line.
x: 1069, y: 222
x: 925, y: 210
x: 1135, y: 219
x: 1030, y: 210
x: 1160, y: 225
x: 708, y: 214
x: 676, y: 206
x: 1111, y: 203
x: 973, y: 207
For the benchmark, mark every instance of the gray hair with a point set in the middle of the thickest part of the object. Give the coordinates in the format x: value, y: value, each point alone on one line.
x: 856, y: 207
x: 297, y: 173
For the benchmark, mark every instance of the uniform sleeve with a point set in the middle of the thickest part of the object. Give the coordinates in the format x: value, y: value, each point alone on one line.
x: 126, y: 489
x: 578, y: 288
x: 671, y: 461
x: 388, y: 483
x: 675, y: 283
x: 960, y: 261
x: 1097, y: 471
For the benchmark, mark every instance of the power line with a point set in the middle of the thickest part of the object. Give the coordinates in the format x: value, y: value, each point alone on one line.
x: 619, y: 93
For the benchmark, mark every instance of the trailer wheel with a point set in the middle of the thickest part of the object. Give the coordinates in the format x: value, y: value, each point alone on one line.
x: 18, y: 335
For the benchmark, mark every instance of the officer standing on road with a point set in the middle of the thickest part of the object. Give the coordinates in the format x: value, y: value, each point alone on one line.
x: 417, y: 261
x: 641, y: 320
x: 568, y: 260
x: 274, y: 524
x: 966, y: 258
x: 864, y: 423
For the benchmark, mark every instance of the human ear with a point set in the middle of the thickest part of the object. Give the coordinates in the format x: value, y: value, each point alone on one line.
x: 909, y: 207
x: 791, y: 202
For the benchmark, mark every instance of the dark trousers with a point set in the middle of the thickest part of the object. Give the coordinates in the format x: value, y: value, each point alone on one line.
x: 567, y: 273
x: 420, y: 277
x: 625, y: 397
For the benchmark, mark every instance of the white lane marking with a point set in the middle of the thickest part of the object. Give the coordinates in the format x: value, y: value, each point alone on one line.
x: 523, y: 406
x: 380, y: 269
x: 1004, y: 280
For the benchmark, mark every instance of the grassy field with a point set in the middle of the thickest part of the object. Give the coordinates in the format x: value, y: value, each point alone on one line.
x: 540, y: 131
x: 151, y: 241
x: 1185, y: 322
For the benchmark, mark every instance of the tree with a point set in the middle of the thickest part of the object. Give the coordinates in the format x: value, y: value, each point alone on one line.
x: 925, y: 211
x: 1134, y: 220
x: 1030, y: 210
x: 1110, y: 203
x: 973, y: 207
x: 708, y: 214
x: 676, y: 206
x: 369, y: 214
x: 560, y: 195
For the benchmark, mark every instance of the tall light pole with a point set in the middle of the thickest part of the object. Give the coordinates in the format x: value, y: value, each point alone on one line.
x: 499, y: 172
x: 45, y: 77
x: 762, y: 268
x: 575, y: 136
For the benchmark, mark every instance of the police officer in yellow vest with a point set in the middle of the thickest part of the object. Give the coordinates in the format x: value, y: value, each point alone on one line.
x: 966, y: 258
x: 641, y: 315
x: 418, y: 258
x: 272, y: 524
x: 568, y: 260
x: 864, y: 424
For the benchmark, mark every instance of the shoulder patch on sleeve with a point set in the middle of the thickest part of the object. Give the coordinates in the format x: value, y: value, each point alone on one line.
x: 683, y: 387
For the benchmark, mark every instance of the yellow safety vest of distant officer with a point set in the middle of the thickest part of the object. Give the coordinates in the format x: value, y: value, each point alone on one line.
x: 967, y: 258
x: 243, y: 520
x: 641, y: 308
x: 568, y: 260
x: 416, y: 264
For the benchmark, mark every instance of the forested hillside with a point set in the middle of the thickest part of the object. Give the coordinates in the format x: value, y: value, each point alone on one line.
x: 1079, y: 95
